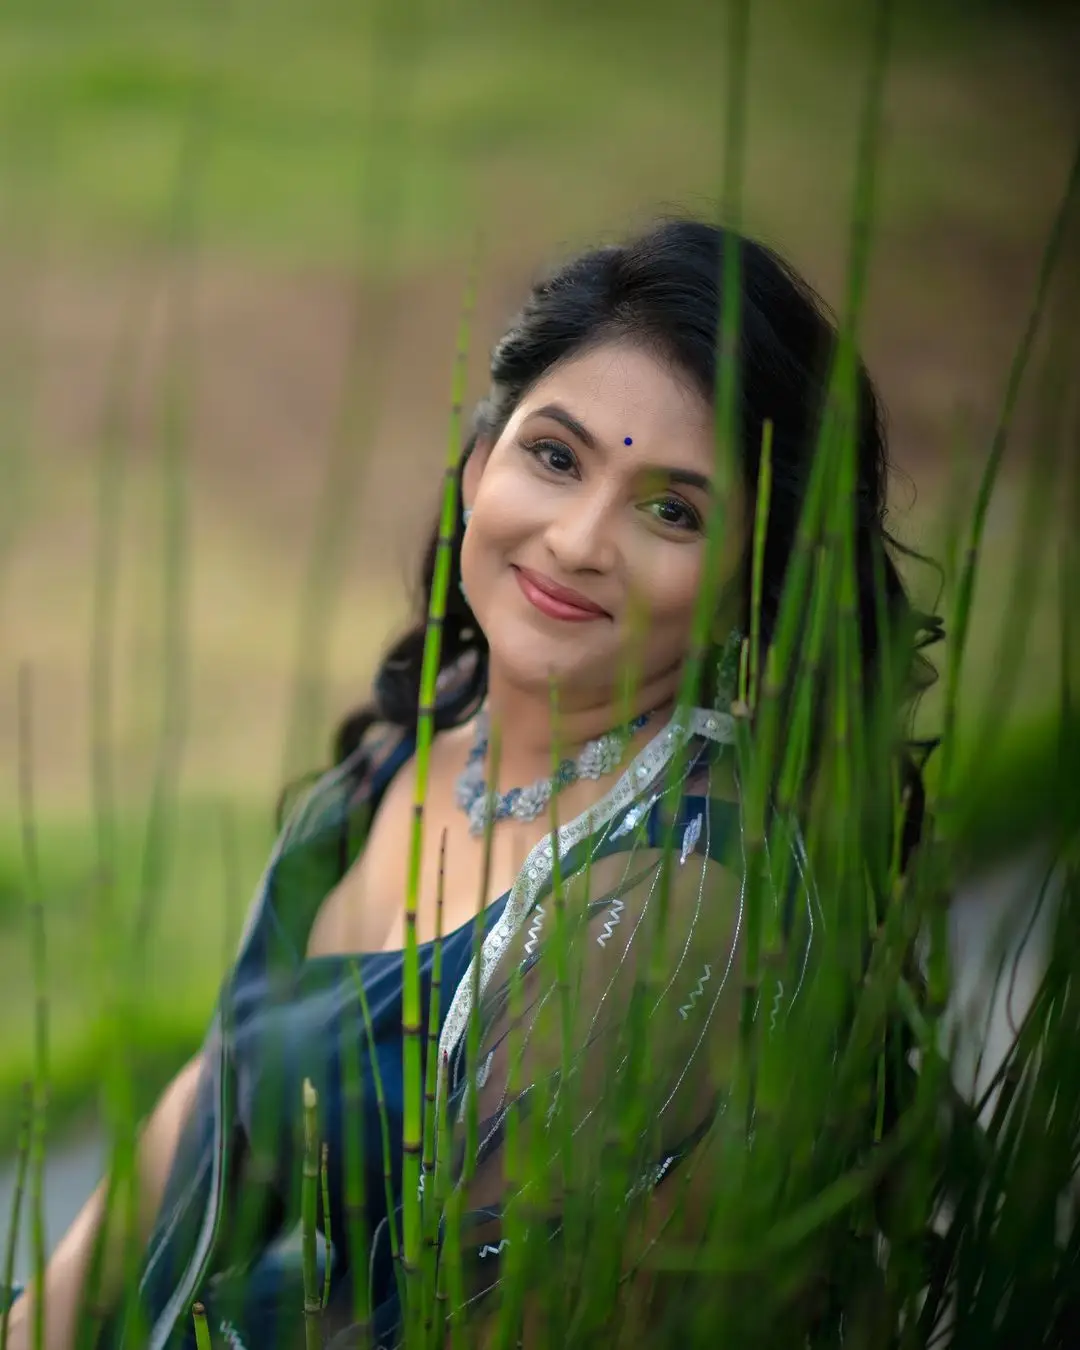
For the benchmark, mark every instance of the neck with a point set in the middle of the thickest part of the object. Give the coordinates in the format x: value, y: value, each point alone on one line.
x: 528, y: 731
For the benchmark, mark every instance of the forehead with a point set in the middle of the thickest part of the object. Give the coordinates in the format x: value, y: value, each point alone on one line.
x: 620, y: 390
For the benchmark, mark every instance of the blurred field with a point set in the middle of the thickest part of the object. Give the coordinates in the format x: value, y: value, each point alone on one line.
x: 280, y: 205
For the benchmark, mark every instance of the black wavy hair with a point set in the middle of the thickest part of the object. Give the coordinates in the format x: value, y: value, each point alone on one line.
x: 662, y: 291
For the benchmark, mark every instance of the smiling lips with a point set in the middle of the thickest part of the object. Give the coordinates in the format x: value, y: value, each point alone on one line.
x: 557, y: 602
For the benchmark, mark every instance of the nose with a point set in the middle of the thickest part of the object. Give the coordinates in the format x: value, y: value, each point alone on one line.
x: 581, y: 538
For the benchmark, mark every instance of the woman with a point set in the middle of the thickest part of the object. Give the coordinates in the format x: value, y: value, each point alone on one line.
x: 585, y: 490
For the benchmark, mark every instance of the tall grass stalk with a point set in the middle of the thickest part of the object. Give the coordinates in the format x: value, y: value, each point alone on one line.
x: 22, y: 1169
x: 359, y: 1235
x: 704, y: 637
x: 429, y: 1208
x: 412, y: 1141
x: 29, y: 235
x: 38, y: 959
x: 309, y: 1207
x: 1040, y: 523
x: 203, y: 1339
x: 108, y: 937
x: 761, y: 529
x: 380, y: 195
x: 324, y: 1194
x: 356, y: 973
x: 451, y: 1252
x: 961, y: 618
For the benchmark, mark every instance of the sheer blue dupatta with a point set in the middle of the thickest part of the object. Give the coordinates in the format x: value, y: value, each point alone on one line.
x: 606, y: 1022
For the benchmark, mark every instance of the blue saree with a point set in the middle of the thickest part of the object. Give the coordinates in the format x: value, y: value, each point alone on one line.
x: 283, y: 1017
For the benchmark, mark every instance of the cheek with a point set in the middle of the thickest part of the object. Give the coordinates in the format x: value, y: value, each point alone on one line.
x: 513, y: 506
x: 666, y: 585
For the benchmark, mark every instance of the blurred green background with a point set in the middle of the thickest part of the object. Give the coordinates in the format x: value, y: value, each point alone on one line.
x: 234, y: 240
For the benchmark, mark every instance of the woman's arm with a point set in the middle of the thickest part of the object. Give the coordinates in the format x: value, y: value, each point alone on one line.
x: 66, y: 1275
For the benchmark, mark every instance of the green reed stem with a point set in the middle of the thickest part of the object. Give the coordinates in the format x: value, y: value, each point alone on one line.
x: 703, y: 633
x: 514, y: 1270
x: 111, y: 464
x: 450, y: 1284
x: 381, y: 133
x: 844, y: 393
x: 324, y: 1180
x: 1068, y: 588
x: 430, y: 1207
x: 1036, y: 537
x: 384, y: 1122
x: 966, y: 588
x: 203, y: 1340
x: 761, y: 528
x: 38, y: 960
x: 177, y: 404
x: 111, y: 955
x: 27, y: 251
x: 175, y: 672
x: 726, y: 392
x: 796, y: 1227
x: 472, y: 1033
x: 309, y: 1208
x: 355, y: 1177
x: 558, y: 900
x: 412, y: 1141
x: 22, y: 1167
x: 93, y: 1313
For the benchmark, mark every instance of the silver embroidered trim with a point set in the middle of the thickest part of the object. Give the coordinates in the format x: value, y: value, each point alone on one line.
x: 640, y: 774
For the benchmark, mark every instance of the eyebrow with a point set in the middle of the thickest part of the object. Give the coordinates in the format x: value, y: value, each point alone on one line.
x: 688, y: 477
x: 558, y: 413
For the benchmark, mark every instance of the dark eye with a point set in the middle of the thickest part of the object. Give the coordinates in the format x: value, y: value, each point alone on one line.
x: 674, y: 512
x: 553, y: 455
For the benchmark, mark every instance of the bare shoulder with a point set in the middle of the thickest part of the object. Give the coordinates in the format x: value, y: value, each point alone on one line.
x: 362, y: 913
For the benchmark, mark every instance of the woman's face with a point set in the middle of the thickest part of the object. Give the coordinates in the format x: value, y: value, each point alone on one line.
x: 587, y: 540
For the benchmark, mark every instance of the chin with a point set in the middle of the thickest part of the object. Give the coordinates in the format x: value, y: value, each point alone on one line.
x: 531, y: 660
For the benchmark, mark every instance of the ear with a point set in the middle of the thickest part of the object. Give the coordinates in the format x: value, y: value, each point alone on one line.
x: 473, y: 468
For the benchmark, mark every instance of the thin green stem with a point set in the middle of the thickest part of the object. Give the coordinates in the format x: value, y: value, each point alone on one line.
x: 324, y: 1180
x: 966, y: 588
x: 309, y: 1208
x: 356, y: 1178
x: 38, y: 960
x: 22, y: 1167
x: 203, y: 1340
x: 384, y: 1123
x: 412, y: 1140
x: 431, y: 1069
x: 761, y: 527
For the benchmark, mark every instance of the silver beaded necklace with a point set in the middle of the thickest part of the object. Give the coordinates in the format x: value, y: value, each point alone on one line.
x: 598, y: 758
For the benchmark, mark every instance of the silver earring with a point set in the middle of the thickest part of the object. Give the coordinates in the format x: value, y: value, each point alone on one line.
x: 466, y: 515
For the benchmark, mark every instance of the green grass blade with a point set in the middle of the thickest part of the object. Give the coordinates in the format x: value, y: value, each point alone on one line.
x: 309, y: 1205
x: 431, y: 1208
x: 961, y: 619
x: 355, y: 1177
x: 384, y: 1123
x: 203, y: 1339
x: 38, y: 958
x: 22, y: 1169
x: 1039, y: 525
x: 412, y: 1142
x: 761, y: 527
x: 380, y: 187
x: 324, y: 1185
